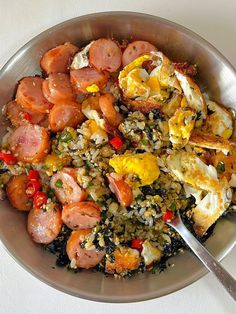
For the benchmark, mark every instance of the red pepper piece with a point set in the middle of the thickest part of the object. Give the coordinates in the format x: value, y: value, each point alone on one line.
x: 168, y: 216
x: 27, y: 116
x: 32, y: 188
x: 33, y: 175
x: 8, y: 158
x: 137, y: 244
x: 40, y: 199
x: 116, y: 142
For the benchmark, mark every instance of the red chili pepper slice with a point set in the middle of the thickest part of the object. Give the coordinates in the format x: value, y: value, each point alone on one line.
x: 8, y: 158
x: 137, y: 244
x: 27, y: 116
x: 116, y: 142
x: 32, y: 188
x: 40, y: 199
x: 168, y: 216
x: 33, y: 175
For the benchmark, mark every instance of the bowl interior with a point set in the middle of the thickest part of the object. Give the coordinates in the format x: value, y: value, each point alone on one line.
x: 217, y: 77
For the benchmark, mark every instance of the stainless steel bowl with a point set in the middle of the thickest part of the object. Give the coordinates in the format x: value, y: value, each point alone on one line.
x: 217, y: 77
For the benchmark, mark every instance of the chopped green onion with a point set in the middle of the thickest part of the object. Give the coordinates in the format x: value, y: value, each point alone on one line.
x: 173, y: 207
x: 57, y: 151
x: 144, y: 142
x: 90, y: 184
x: 59, y: 183
x: 65, y: 137
x: 50, y: 193
x: 220, y: 167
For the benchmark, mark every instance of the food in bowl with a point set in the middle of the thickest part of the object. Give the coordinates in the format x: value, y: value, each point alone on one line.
x: 106, y: 146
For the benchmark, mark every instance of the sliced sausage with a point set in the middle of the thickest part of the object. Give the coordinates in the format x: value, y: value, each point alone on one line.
x: 81, y: 215
x: 16, y: 192
x: 30, y: 143
x: 135, y: 50
x: 121, y: 189
x: 83, y: 78
x: 106, y: 103
x: 44, y: 225
x: 105, y: 55
x: 84, y: 258
x: 57, y: 60
x: 69, y: 191
x: 30, y: 96
x: 57, y: 88
x: 68, y: 115
x: 19, y: 116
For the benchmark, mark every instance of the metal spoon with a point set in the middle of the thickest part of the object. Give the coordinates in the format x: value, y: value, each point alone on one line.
x: 205, y: 257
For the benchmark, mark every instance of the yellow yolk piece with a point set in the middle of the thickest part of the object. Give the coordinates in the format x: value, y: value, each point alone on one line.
x: 143, y: 165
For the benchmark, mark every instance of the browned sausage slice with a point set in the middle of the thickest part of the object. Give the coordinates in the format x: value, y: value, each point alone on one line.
x: 105, y: 55
x: 106, y: 103
x: 83, y: 258
x: 57, y: 60
x: 44, y: 225
x: 30, y: 143
x: 16, y: 192
x: 81, y: 215
x: 135, y: 50
x: 69, y: 191
x: 68, y: 115
x: 83, y: 78
x: 30, y: 96
x: 57, y: 88
x: 121, y: 189
x: 16, y: 114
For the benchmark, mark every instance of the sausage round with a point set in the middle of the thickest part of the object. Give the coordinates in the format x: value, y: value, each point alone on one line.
x: 81, y: 79
x: 81, y: 215
x: 57, y: 60
x: 135, y: 50
x: 106, y: 104
x: 67, y: 115
x: 121, y: 189
x: 30, y: 96
x: 84, y: 258
x: 44, y: 225
x: 30, y: 143
x: 70, y: 191
x: 57, y: 88
x: 16, y: 192
x: 16, y: 114
x: 105, y: 55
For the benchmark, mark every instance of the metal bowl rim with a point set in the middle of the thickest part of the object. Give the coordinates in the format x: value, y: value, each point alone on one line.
x: 87, y: 296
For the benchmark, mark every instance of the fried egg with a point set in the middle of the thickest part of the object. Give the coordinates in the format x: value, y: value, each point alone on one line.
x: 211, y: 141
x: 91, y: 110
x: 210, y: 209
x: 220, y: 121
x: 193, y: 95
x: 190, y: 169
x: 143, y: 165
x: 81, y: 59
x: 137, y: 84
x: 181, y: 126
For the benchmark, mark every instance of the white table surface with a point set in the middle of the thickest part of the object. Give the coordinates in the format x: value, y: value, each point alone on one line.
x: 22, y: 20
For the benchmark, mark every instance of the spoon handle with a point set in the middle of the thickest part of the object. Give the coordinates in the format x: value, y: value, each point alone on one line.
x: 207, y: 259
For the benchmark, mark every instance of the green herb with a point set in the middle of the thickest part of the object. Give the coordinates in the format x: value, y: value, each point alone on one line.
x: 65, y: 137
x: 220, y: 167
x: 104, y: 215
x: 57, y: 151
x: 144, y: 142
x: 87, y: 165
x: 173, y: 207
x: 50, y: 193
x: 27, y: 169
x: 90, y: 184
x: 45, y: 167
x: 59, y: 183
